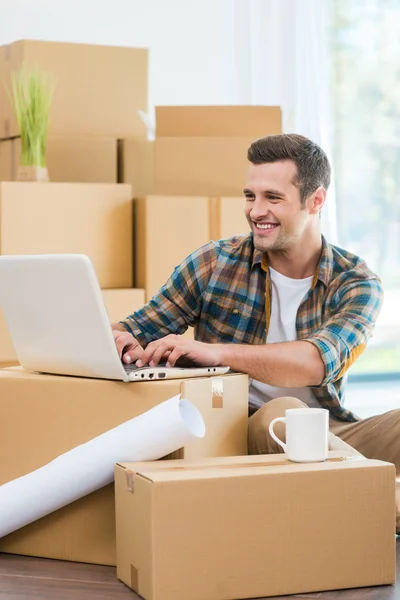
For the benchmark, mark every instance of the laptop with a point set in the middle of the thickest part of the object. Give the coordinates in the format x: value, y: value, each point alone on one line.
x: 58, y: 323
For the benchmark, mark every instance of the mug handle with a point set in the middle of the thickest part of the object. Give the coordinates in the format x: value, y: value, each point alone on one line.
x: 272, y: 434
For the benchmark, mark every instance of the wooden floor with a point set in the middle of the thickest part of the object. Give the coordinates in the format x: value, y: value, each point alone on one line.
x: 23, y: 578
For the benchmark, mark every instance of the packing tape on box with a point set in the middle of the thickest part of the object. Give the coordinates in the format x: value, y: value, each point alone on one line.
x: 150, y: 436
x: 217, y: 392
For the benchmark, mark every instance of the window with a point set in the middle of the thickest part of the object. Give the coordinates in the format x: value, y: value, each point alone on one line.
x: 366, y: 95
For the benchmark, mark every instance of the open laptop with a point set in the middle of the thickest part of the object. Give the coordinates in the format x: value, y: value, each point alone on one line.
x: 58, y: 323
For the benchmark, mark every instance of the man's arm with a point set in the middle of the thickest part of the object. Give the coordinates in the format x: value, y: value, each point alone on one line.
x: 287, y: 364
x: 321, y: 358
x: 343, y: 337
x: 290, y: 364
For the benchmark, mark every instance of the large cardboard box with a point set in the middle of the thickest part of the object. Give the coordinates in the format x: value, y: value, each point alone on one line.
x: 99, y: 89
x: 84, y: 218
x: 202, y: 150
x: 121, y: 303
x: 253, y: 527
x: 69, y: 158
x: 43, y: 416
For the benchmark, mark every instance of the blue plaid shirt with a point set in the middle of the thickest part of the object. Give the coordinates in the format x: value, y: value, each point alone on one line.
x: 223, y: 290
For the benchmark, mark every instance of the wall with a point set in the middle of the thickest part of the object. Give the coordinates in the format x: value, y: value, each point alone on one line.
x: 191, y: 52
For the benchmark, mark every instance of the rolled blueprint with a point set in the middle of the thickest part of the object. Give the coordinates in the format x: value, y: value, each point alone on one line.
x: 150, y: 436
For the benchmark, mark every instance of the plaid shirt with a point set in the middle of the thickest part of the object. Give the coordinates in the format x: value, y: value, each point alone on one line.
x: 223, y: 290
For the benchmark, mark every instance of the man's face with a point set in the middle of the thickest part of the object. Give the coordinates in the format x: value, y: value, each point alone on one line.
x: 273, y: 207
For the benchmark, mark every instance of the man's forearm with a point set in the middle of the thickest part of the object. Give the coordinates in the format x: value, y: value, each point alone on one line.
x: 288, y: 364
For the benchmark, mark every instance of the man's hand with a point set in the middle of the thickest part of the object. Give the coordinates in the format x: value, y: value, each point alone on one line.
x: 129, y: 349
x: 174, y: 347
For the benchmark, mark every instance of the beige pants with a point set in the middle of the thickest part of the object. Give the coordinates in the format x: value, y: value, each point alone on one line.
x: 376, y: 437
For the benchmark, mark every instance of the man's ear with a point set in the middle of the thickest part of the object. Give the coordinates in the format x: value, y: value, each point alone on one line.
x: 317, y: 200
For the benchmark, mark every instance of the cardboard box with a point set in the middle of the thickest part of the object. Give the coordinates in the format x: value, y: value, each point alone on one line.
x: 227, y: 217
x: 253, y: 527
x: 168, y: 228
x: 121, y: 303
x: 202, y: 150
x: 69, y: 158
x: 136, y: 165
x: 6, y: 160
x: 84, y: 218
x: 50, y: 415
x: 99, y: 89
x: 198, y: 150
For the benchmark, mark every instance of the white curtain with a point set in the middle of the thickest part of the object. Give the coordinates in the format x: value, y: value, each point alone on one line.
x: 282, y: 58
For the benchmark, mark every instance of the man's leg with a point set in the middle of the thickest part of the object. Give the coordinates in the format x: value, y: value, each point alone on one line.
x: 376, y: 437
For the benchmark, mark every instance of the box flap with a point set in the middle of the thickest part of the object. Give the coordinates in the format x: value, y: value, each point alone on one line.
x: 211, y: 121
x: 271, y: 459
x: 178, y: 470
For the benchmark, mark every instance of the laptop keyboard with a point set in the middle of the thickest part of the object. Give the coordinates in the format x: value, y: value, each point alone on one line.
x: 132, y: 367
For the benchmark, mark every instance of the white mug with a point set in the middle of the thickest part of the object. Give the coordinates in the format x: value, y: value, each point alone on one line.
x: 307, y: 432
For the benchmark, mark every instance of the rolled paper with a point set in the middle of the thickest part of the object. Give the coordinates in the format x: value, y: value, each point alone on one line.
x: 90, y: 466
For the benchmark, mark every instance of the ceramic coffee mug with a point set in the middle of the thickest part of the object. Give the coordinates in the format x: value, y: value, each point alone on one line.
x: 306, y: 434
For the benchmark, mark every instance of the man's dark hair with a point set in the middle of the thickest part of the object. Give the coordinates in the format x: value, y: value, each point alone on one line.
x: 313, y: 168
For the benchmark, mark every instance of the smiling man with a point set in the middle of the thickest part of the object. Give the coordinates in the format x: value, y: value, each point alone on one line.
x: 280, y: 304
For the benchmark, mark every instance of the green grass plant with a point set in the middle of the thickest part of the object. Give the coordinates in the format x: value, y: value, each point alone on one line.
x: 32, y: 94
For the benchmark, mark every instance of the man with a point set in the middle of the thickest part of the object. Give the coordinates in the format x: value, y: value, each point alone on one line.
x: 280, y: 304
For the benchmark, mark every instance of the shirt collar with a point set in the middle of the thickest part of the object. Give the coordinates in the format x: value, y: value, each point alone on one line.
x: 258, y: 257
x: 323, y: 271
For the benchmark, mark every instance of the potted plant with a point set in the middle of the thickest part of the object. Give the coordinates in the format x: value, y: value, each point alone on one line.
x: 32, y: 94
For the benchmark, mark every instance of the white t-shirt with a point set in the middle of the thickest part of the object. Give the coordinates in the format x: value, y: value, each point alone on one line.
x: 287, y: 295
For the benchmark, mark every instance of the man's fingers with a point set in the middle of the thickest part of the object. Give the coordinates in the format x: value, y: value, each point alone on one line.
x: 173, y: 357
x: 158, y: 355
x: 155, y: 351
x: 122, y: 340
x: 132, y: 353
x: 129, y: 349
